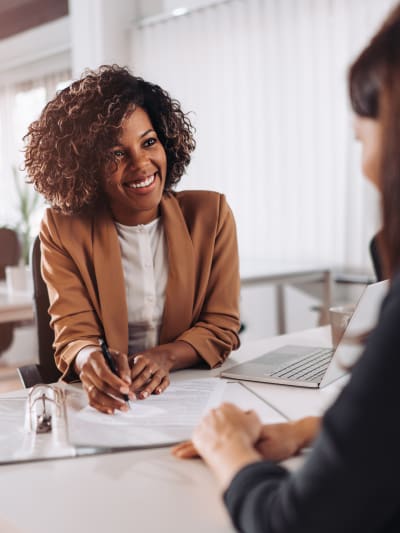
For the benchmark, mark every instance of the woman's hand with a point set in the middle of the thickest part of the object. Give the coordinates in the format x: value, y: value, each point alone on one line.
x: 226, y: 438
x: 276, y: 441
x: 150, y: 372
x: 150, y: 369
x: 105, y: 390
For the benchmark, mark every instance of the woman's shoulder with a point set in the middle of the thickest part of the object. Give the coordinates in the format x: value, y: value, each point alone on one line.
x: 199, y: 198
x: 54, y: 219
x: 199, y: 203
x: 68, y: 230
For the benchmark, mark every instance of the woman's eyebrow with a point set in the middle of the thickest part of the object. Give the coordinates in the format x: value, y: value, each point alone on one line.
x: 146, y: 132
x: 121, y: 144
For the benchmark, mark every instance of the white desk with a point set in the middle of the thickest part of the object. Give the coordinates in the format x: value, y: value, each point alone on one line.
x: 258, y: 272
x: 15, y: 307
x: 145, y: 490
x: 293, y: 402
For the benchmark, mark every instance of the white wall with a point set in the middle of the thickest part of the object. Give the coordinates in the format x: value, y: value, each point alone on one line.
x: 265, y: 81
x: 100, y: 32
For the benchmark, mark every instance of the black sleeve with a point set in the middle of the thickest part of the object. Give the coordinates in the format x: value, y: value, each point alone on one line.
x: 350, y: 482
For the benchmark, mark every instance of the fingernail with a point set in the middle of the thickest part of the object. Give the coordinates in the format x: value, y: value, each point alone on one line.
x: 124, y: 389
x: 124, y: 407
x: 159, y: 391
x: 144, y: 394
x: 131, y: 396
x: 127, y: 378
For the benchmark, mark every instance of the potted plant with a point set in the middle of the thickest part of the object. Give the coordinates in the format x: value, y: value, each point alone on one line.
x: 28, y: 200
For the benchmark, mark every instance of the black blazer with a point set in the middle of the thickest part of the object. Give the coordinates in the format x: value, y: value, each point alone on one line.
x: 350, y: 482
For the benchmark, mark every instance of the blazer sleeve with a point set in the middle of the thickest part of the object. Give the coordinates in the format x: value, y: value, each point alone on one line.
x: 350, y: 481
x: 215, y: 333
x: 73, y: 317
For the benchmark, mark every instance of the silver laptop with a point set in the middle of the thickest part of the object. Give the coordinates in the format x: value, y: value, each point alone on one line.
x: 305, y: 366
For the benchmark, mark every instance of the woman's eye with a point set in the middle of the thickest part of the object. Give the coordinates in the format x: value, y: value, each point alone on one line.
x: 150, y: 142
x: 118, y: 154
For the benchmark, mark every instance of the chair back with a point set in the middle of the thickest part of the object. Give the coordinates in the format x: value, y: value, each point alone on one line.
x: 10, y: 249
x: 45, y: 334
x: 376, y: 261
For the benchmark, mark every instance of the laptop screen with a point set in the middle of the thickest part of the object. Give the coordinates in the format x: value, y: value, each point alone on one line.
x: 363, y: 320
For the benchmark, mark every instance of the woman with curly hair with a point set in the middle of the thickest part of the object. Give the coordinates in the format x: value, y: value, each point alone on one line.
x: 125, y: 258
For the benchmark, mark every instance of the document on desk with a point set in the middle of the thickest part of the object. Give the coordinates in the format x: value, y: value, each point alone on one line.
x: 159, y: 420
x: 77, y: 429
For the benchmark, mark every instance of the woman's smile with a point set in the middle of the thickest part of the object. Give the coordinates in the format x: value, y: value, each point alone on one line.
x: 142, y: 185
x: 145, y: 183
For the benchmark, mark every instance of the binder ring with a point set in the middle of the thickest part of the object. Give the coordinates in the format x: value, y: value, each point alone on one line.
x: 46, y: 394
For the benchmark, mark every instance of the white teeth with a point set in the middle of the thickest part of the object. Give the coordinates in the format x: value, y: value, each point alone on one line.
x: 145, y: 183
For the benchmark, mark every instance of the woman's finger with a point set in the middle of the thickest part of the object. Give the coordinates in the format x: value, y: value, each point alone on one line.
x: 152, y: 385
x: 97, y: 363
x: 159, y: 382
x: 148, y: 374
x: 122, y: 364
x: 90, y: 376
x: 103, y: 402
x: 185, y: 450
x: 163, y: 385
x: 138, y: 364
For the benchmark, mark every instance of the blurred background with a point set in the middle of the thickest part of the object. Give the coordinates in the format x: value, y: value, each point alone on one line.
x: 264, y: 82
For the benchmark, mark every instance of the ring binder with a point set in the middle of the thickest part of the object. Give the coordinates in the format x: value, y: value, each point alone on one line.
x: 41, y: 402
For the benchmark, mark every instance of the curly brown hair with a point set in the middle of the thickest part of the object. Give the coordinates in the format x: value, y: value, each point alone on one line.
x: 68, y: 147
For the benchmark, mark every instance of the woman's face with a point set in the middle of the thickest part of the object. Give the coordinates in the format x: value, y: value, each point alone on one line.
x: 135, y: 189
x: 368, y: 132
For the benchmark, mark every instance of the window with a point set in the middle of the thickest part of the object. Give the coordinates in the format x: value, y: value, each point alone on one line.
x: 20, y: 104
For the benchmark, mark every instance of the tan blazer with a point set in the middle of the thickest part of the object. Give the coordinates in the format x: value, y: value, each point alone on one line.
x: 81, y: 264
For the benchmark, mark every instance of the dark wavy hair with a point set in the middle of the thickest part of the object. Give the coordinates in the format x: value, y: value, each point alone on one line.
x: 374, y: 86
x: 68, y: 147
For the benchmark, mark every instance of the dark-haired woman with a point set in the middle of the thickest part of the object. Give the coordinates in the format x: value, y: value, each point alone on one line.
x: 152, y: 271
x: 350, y: 481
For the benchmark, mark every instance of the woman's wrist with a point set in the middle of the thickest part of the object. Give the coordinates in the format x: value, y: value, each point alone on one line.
x: 306, y: 430
x: 81, y: 358
x: 175, y: 355
x: 226, y: 461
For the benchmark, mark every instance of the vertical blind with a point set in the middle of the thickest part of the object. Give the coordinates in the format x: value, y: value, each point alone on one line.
x: 265, y: 84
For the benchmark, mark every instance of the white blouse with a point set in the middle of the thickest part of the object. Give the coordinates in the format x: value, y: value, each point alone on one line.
x: 145, y: 266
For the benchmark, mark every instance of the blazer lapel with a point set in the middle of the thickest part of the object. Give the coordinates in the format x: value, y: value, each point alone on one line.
x: 110, y: 282
x: 179, y: 300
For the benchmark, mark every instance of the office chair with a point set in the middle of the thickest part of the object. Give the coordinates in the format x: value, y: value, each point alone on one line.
x: 46, y: 371
x: 376, y: 262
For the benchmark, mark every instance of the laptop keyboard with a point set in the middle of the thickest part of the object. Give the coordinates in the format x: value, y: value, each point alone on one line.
x: 312, y: 367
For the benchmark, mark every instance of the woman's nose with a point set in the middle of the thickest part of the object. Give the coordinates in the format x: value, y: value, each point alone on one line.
x: 138, y: 158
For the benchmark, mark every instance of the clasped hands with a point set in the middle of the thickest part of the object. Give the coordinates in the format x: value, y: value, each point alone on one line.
x: 139, y: 376
x: 229, y: 438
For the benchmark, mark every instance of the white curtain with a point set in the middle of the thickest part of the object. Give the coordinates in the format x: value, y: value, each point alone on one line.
x: 20, y: 104
x: 266, y: 83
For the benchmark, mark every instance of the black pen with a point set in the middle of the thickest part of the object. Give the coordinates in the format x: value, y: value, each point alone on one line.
x: 110, y: 362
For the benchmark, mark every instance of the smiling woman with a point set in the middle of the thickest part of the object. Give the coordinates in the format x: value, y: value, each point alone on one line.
x: 106, y: 153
